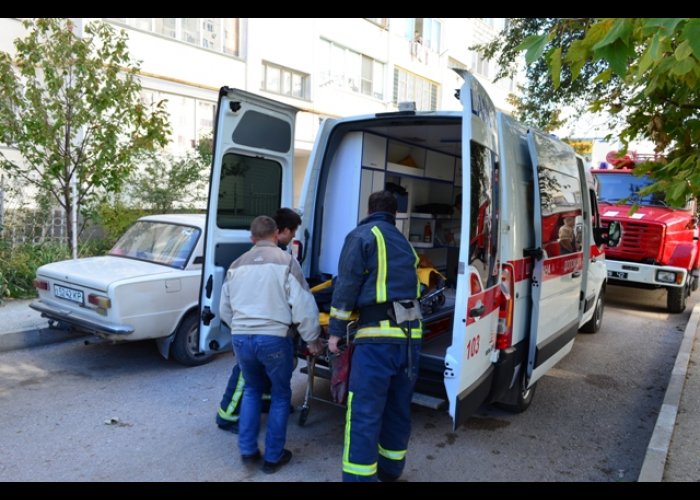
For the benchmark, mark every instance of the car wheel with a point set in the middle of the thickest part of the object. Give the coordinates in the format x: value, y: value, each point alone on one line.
x: 185, y: 348
x: 593, y: 324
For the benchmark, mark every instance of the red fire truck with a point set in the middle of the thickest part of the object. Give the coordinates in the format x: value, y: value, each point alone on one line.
x: 659, y: 246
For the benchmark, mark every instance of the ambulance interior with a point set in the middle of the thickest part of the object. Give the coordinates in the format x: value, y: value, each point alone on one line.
x: 420, y: 160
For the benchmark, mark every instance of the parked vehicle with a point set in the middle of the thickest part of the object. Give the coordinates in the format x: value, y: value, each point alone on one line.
x: 514, y: 302
x: 146, y: 287
x: 659, y: 246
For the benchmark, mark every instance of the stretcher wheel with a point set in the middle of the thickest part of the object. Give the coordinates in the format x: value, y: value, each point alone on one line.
x: 303, y: 415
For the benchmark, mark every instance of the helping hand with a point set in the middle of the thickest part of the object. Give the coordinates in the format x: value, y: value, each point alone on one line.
x: 315, y: 348
x: 333, y: 344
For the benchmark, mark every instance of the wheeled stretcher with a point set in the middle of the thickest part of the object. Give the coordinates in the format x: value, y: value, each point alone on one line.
x: 336, y: 367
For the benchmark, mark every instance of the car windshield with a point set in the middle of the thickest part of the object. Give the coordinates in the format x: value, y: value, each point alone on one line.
x: 158, y: 242
x: 615, y: 187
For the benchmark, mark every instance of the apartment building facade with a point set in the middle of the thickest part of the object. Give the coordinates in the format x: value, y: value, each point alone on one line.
x: 324, y: 66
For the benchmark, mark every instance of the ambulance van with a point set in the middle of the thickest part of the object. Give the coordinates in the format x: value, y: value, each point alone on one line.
x: 483, y: 199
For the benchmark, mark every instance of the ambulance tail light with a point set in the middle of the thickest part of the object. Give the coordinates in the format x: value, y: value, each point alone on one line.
x: 504, y: 332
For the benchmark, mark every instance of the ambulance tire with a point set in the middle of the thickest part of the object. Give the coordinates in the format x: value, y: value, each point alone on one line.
x: 675, y: 299
x: 593, y: 325
x: 524, y: 398
x: 185, y: 347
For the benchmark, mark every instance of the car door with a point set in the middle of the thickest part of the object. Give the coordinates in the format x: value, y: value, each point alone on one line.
x: 558, y: 268
x: 251, y: 175
x: 468, y: 364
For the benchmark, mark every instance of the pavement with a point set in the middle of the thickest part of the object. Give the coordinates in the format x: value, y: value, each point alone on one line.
x: 673, y: 453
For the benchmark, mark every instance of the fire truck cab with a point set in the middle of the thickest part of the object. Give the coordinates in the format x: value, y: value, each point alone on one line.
x: 659, y: 246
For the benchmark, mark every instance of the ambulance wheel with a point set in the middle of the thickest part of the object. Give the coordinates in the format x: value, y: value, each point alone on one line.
x: 524, y: 398
x: 303, y: 415
x: 675, y: 299
x: 593, y: 325
x: 185, y: 347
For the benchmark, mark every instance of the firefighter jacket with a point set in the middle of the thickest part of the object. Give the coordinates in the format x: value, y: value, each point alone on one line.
x: 377, y: 267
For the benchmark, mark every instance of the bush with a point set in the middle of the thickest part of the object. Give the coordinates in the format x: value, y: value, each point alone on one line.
x: 18, y: 266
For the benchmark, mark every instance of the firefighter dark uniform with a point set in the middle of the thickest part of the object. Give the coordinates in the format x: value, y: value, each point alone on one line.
x: 230, y: 406
x: 377, y: 267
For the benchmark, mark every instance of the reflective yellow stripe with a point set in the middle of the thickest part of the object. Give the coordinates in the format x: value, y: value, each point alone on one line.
x: 340, y: 314
x: 237, y: 393
x: 390, y: 332
x: 392, y: 454
x: 348, y: 466
x: 381, y: 265
x: 359, y: 469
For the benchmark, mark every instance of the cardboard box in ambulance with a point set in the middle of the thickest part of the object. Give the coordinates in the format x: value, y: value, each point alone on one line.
x: 516, y: 293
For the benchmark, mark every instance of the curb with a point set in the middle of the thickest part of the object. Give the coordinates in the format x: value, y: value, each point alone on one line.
x: 34, y: 337
x: 657, y: 450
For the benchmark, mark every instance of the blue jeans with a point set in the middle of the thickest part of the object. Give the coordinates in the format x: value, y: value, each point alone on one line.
x: 260, y: 355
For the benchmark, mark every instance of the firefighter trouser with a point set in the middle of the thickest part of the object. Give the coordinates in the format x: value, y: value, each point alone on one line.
x: 230, y: 406
x: 378, y: 418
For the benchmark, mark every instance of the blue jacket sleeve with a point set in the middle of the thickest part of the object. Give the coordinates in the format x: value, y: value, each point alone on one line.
x: 348, y: 283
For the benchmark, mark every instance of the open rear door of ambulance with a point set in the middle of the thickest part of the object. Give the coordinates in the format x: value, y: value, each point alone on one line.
x: 251, y: 175
x: 468, y: 360
x: 557, y: 266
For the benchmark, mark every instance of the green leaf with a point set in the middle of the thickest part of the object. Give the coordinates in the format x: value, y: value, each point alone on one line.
x: 621, y: 30
x: 691, y: 32
x: 645, y: 62
x: 668, y: 24
x: 534, y: 45
x: 683, y: 67
x: 678, y: 190
x: 555, y: 66
x: 683, y: 51
x: 616, y: 55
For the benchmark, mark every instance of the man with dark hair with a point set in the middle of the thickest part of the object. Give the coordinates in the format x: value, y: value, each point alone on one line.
x: 377, y: 275
x: 287, y: 221
x: 260, y: 324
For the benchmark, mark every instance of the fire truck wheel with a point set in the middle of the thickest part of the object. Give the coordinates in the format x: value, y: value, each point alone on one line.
x: 593, y: 325
x: 675, y: 299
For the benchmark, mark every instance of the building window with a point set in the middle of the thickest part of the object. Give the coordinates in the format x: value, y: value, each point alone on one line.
x: 411, y: 87
x: 345, y: 68
x: 213, y: 33
x: 190, y: 119
x: 284, y: 81
x: 425, y: 31
x: 481, y: 65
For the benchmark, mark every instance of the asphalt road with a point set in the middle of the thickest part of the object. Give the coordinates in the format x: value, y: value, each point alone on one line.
x: 70, y: 412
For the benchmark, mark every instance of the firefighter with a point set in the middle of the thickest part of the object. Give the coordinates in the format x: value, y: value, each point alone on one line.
x: 227, y: 416
x: 377, y: 275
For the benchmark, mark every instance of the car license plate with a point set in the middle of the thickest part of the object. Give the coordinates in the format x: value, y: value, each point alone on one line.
x: 617, y: 274
x: 68, y: 294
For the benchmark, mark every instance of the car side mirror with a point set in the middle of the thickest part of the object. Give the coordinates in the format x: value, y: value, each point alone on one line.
x: 610, y: 236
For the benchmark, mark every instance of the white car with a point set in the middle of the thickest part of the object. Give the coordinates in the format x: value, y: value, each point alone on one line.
x: 146, y: 287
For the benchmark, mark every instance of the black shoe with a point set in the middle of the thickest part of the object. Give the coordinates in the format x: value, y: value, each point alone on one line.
x: 385, y: 477
x: 272, y: 467
x: 229, y: 427
x: 249, y: 459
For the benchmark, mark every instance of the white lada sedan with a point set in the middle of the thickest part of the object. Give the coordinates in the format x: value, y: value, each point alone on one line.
x: 146, y: 287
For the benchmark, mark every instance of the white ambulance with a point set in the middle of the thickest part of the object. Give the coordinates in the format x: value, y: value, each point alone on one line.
x: 522, y: 258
